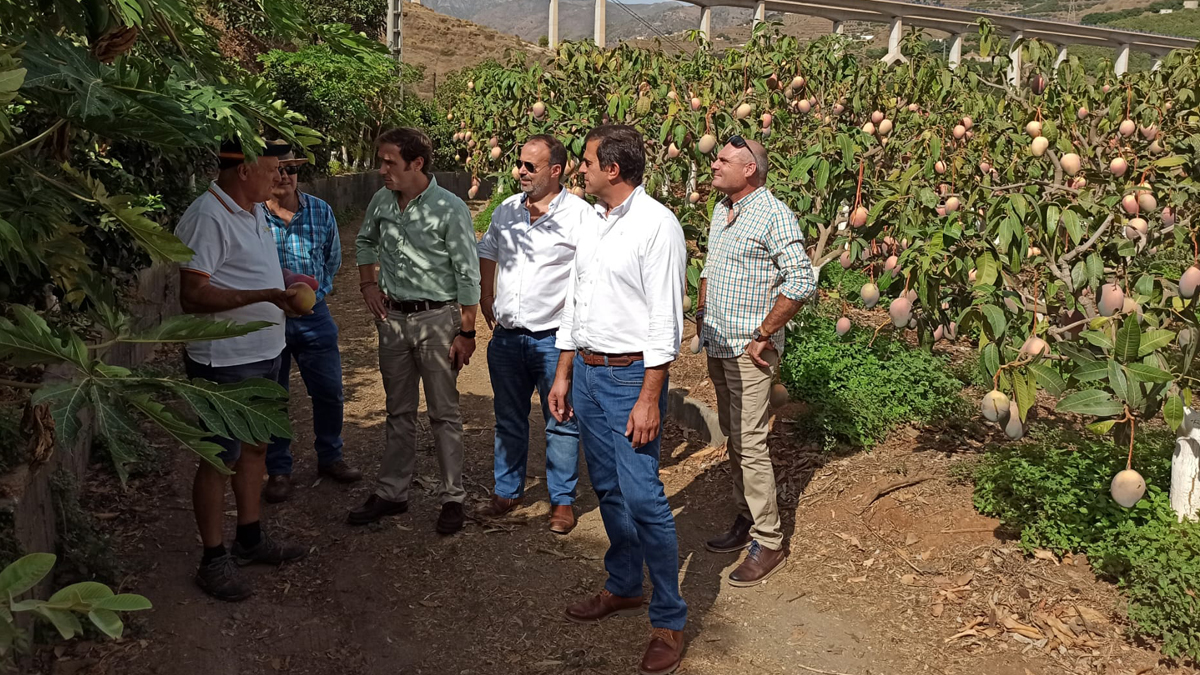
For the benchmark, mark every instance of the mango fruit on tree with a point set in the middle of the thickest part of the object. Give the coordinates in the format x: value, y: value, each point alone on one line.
x: 987, y: 234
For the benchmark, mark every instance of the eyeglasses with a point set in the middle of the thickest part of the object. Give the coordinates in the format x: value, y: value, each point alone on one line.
x: 528, y: 166
x: 289, y: 170
x: 737, y: 141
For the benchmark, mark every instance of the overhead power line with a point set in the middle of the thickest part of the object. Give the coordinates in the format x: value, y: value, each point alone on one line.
x: 647, y: 24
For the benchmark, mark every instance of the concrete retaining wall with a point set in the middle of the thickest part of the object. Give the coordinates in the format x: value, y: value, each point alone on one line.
x: 352, y: 192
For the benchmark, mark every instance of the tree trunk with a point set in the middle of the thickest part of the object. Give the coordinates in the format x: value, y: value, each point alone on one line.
x: 1185, y: 468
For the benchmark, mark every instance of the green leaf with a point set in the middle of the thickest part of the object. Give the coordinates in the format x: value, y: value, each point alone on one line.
x: 1170, y: 161
x: 1102, y: 427
x: 123, y: 602
x: 252, y: 411
x: 30, y: 342
x: 1129, y: 338
x: 1153, y: 340
x: 1095, y: 268
x: 68, y: 626
x: 107, y: 621
x: 1025, y: 390
x: 1097, y: 338
x: 25, y: 573
x: 189, y: 328
x: 1147, y: 373
x: 66, y: 400
x: 986, y: 270
x: 83, y: 593
x: 1070, y: 221
x: 1118, y: 382
x: 990, y: 355
x: 1089, y: 372
x: 1090, y: 402
x: 161, y: 245
x: 1173, y: 412
x: 1048, y: 379
x: 995, y: 320
x: 187, y: 435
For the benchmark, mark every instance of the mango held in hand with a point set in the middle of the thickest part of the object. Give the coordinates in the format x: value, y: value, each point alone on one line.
x: 290, y: 278
x: 304, y: 299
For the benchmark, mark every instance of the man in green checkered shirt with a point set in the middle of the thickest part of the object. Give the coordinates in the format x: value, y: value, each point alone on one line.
x: 756, y: 277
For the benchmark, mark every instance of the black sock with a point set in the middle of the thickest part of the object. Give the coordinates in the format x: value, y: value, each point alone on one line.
x: 248, y: 535
x: 211, y: 553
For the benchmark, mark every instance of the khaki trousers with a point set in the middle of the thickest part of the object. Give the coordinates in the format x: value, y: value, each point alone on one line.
x: 416, y: 347
x: 743, y: 399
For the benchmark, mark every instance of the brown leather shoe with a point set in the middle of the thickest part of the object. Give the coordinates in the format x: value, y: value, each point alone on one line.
x: 500, y: 506
x: 737, y: 538
x: 760, y: 563
x: 603, y: 605
x: 341, y: 472
x: 278, y: 489
x: 664, y: 652
x: 562, y: 519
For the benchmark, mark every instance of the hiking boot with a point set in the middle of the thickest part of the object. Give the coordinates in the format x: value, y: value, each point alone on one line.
x: 222, y: 579
x: 737, y: 538
x: 278, y: 489
x: 451, y: 518
x: 562, y: 519
x: 266, y: 552
x: 341, y: 472
x: 603, y: 605
x: 500, y: 506
x: 375, y: 509
x: 760, y: 563
x: 664, y: 652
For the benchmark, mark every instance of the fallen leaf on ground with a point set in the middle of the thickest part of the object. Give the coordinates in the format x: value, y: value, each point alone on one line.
x: 964, y: 579
x: 911, y: 539
x: 909, y: 579
x: 1043, y: 554
x: 936, y: 609
x: 857, y: 580
x: 1092, y: 620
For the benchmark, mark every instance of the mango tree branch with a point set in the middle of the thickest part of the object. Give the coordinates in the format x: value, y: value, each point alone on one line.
x: 17, y: 384
x: 1087, y: 245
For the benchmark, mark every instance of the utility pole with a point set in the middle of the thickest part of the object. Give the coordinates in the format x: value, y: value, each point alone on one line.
x: 395, y: 31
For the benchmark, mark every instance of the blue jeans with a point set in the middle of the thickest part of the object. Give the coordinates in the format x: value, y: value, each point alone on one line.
x: 633, y: 504
x: 269, y: 369
x: 519, y: 362
x: 313, y: 342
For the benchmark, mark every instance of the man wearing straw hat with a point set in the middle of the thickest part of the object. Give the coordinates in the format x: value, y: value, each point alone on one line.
x: 306, y: 237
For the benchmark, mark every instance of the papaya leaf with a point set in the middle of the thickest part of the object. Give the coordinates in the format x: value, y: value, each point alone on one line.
x: 30, y: 341
x: 159, y: 243
x: 187, y: 435
x: 188, y: 328
x: 252, y: 411
x: 67, y: 400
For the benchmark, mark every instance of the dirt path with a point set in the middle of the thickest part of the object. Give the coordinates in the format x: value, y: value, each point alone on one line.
x: 397, y: 598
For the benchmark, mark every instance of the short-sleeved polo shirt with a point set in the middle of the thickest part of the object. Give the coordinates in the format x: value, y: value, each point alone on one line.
x: 235, y: 249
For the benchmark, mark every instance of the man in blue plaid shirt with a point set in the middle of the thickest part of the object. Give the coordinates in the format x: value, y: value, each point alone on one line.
x: 306, y: 237
x: 756, y: 277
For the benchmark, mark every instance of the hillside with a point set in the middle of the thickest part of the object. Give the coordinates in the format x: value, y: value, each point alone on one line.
x: 443, y: 44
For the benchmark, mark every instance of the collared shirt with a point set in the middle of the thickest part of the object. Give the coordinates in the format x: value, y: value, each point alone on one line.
x: 309, y: 244
x: 626, y: 293
x: 752, y: 259
x: 426, y: 251
x: 533, y: 259
x: 235, y: 249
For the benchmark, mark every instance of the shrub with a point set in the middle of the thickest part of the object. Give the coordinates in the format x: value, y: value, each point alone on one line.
x: 484, y: 218
x: 859, y: 392
x: 1055, y: 491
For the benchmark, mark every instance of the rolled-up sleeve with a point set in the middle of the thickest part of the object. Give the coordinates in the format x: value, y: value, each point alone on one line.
x: 460, y: 244
x: 366, y: 244
x: 664, y: 267
x: 786, y: 247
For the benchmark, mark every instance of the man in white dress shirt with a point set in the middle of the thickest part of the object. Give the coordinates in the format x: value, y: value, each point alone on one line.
x: 524, y: 262
x: 621, y: 327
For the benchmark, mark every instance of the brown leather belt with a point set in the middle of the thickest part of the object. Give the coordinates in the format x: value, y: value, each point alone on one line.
x: 412, y: 306
x: 613, y: 360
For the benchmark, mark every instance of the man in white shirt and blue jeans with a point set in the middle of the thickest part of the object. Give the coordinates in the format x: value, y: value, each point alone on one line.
x: 525, y: 259
x: 234, y: 275
x: 621, y: 328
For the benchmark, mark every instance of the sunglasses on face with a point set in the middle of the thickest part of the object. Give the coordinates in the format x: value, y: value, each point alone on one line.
x: 530, y: 167
x: 289, y: 170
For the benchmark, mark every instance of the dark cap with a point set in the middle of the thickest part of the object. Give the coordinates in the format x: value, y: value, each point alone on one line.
x: 230, y: 154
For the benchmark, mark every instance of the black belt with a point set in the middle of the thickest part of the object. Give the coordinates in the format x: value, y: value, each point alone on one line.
x: 535, y: 334
x: 413, y: 306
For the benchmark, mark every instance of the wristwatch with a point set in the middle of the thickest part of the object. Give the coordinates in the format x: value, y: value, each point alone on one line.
x: 758, y: 336
x: 469, y: 334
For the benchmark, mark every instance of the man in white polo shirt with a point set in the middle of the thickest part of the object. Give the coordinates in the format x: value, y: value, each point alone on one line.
x: 234, y: 275
x: 524, y: 261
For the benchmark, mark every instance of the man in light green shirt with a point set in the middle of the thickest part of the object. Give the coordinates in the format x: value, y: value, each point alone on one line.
x: 419, y: 275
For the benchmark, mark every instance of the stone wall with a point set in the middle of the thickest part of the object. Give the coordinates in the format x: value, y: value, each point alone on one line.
x: 352, y: 192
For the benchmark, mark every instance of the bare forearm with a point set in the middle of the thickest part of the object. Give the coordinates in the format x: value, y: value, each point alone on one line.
x: 200, y: 297
x: 652, y: 383
x: 783, y: 311
x: 702, y: 293
x: 487, y: 277
x: 566, y: 363
x: 468, y: 316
